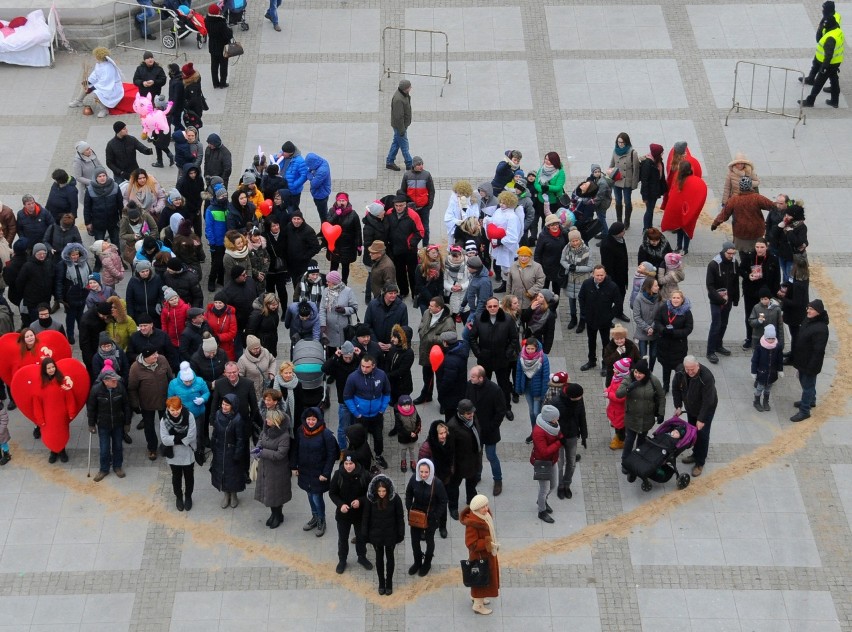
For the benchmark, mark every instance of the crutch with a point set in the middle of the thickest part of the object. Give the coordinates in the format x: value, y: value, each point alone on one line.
x: 89, y: 467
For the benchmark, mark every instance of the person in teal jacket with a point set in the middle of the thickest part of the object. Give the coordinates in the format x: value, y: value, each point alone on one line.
x: 215, y: 227
x: 532, y: 375
x: 191, y: 389
x: 549, y: 185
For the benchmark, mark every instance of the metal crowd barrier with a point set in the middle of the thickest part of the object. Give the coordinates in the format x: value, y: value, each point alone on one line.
x: 794, y: 111
x: 397, y: 65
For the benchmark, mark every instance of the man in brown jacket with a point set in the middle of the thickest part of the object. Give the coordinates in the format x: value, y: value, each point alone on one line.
x: 147, y: 386
x: 383, y: 271
x: 749, y: 224
x: 7, y: 221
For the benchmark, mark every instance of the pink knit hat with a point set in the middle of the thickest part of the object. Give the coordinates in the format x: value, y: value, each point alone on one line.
x: 621, y: 367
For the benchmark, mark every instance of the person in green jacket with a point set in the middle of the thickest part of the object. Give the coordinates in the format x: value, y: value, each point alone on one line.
x: 549, y: 184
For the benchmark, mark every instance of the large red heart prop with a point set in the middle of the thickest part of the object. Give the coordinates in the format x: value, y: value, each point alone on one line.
x: 331, y: 232
x: 684, y: 206
x: 48, y: 344
x: 52, y: 407
x: 266, y: 207
x: 436, y: 357
x: 495, y: 232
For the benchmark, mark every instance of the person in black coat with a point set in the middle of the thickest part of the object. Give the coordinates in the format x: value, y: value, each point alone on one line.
x: 450, y: 377
x: 102, y: 206
x: 184, y: 281
x: 276, y: 247
x: 808, y: 356
x: 467, y: 444
x: 383, y: 313
x: 107, y: 408
x: 121, y: 152
x: 496, y: 346
x: 34, y: 282
x: 383, y: 526
x: 63, y: 197
x: 572, y: 425
x: 490, y: 410
x: 302, y: 245
x: 247, y: 406
x: 614, y: 260
x: 348, y: 492
x: 398, y: 361
x: 723, y: 290
x: 426, y: 493
x: 548, y: 252
x: 314, y: 457
x: 349, y: 244
x: 175, y: 115
x: 758, y: 268
x: 147, y: 337
x: 192, y: 335
x: 652, y: 180
x: 673, y: 325
x: 539, y: 319
x: 149, y: 76
x: 240, y: 294
x: 600, y: 300
x: 218, y: 36
x: 91, y: 325
x: 794, y: 296
x: 264, y: 321
x: 227, y: 468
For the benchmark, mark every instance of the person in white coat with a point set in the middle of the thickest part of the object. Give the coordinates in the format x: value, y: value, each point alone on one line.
x: 104, y: 81
x: 506, y: 220
x: 461, y: 206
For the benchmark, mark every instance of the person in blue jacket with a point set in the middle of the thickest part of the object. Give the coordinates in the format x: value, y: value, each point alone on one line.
x: 215, y: 227
x: 479, y: 290
x: 191, y: 389
x: 366, y: 395
x: 319, y: 175
x: 451, y: 376
x: 295, y: 171
x: 532, y: 376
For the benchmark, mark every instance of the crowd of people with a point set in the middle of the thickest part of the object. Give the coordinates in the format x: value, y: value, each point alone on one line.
x: 210, y: 380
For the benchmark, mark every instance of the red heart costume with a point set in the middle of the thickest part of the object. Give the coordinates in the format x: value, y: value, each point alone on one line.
x: 48, y: 344
x: 52, y: 406
x: 671, y: 177
x: 685, y: 205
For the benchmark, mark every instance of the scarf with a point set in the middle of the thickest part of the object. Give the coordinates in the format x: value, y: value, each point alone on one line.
x: 551, y: 430
x: 78, y: 274
x: 144, y: 197
x: 177, y: 427
x: 531, y: 364
x: 242, y: 253
x: 678, y: 311
x: 332, y: 295
x: 472, y: 427
x: 538, y: 319
x: 486, y: 518
x: 102, y: 190
x: 546, y: 173
x: 311, y: 291
x: 768, y: 345
x: 287, y: 389
x: 622, y: 151
x: 112, y: 354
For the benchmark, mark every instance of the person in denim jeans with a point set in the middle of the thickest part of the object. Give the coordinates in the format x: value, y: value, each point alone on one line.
x: 315, y: 455
x: 808, y: 355
x: 400, y: 121
x: 723, y: 290
x: 107, y: 408
x: 532, y: 374
x: 145, y: 19
x: 272, y: 13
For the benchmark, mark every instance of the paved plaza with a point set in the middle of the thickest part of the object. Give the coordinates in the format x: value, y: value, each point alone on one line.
x: 761, y: 542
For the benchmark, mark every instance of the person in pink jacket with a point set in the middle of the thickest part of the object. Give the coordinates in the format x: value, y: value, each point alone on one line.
x: 616, y: 405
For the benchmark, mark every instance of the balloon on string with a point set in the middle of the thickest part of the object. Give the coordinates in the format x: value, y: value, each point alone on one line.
x: 331, y: 232
x: 436, y: 357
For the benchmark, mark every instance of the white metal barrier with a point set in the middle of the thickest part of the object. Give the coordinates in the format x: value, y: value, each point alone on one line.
x: 157, y: 25
x: 765, y: 104
x: 436, y: 68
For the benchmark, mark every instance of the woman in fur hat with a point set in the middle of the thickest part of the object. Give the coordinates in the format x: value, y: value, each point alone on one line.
x: 740, y: 166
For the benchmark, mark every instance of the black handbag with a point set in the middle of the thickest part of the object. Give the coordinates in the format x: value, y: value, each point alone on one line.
x: 542, y: 470
x: 475, y: 573
x: 167, y: 451
x: 232, y: 49
x: 349, y: 330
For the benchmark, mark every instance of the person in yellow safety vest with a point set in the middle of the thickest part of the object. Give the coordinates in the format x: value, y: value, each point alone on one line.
x: 828, y: 10
x: 829, y: 55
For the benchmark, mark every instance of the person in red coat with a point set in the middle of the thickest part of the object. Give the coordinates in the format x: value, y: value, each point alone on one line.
x: 546, y: 440
x: 222, y: 319
x: 174, y: 315
x: 480, y: 538
x: 615, y: 407
x: 54, y: 402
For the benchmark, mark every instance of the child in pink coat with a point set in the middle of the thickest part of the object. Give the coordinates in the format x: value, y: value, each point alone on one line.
x: 112, y: 272
x: 615, y: 407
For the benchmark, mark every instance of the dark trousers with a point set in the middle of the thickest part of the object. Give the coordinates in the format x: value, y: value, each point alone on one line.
x: 632, y: 439
x: 428, y: 381
x: 819, y: 82
x: 217, y: 264
x: 808, y: 400
x: 73, y: 314
x: 702, y: 443
x: 183, y: 479
x: 101, y: 233
x: 422, y: 534
x: 384, y: 562
x: 405, y: 264
x: 277, y: 283
x: 374, y: 428
x: 592, y: 334
x: 149, y: 417
x: 502, y: 381
x: 344, y: 269
x: 719, y: 315
x: 648, y: 218
x: 218, y: 69
x: 322, y: 211
x: 424, y: 218
x: 163, y: 150
x: 343, y: 527
x: 748, y: 304
x: 453, y: 491
x: 111, y: 447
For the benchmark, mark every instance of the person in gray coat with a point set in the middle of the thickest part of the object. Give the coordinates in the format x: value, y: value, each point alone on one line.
x: 337, y: 307
x: 178, y: 436
x: 646, y: 405
x: 272, y: 487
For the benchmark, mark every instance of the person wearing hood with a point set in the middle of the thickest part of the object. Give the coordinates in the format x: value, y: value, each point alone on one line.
x: 121, y: 152
x: 616, y: 403
x: 144, y: 292
x: 272, y: 451
x: 439, y: 447
x: 61, y: 234
x: 808, y: 356
x: 179, y: 434
x: 83, y: 168
x: 315, y: 454
x: 348, y: 492
x: 219, y: 34
x: 740, y: 166
x: 547, y: 443
x: 723, y: 290
x: 120, y: 326
x: 217, y: 160
x: 295, y: 170
x: 147, y: 386
x: 63, y: 196
x: 72, y: 284
x: 644, y: 271
x: 539, y: 319
x: 645, y: 406
x: 614, y: 260
x: 108, y: 259
x: 32, y: 220
x: 191, y: 187
x: 354, y: 439
x: 109, y: 350
x: 767, y: 365
x: 257, y: 364
x: 215, y: 227
x: 383, y: 526
x: 227, y: 467
x: 480, y: 538
x: 652, y: 180
x: 424, y: 493
x: 194, y: 102
x: 319, y: 175
x: 673, y: 324
x: 349, y: 244
x: 222, y: 320
x: 35, y: 283
x: 172, y: 216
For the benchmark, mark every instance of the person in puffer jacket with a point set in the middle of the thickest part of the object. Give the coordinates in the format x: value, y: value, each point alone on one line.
x: 366, y: 395
x: 295, y: 171
x: 302, y: 319
x: 191, y: 389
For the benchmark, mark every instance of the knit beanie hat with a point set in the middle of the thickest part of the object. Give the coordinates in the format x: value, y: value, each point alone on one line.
x: 118, y: 126
x: 673, y: 260
x: 549, y: 413
x: 474, y: 263
x: 142, y: 265
x: 656, y: 150
x: 252, y: 342
x: 39, y: 247
x: 169, y: 293
x: 237, y: 271
x: 558, y: 379
x: 333, y: 278
x: 769, y: 332
x: 642, y: 366
x: 745, y: 183
x: 680, y: 147
x: 574, y: 234
x: 148, y: 352
x: 375, y: 208
x: 347, y: 348
x: 185, y: 373
x: 573, y: 391
x: 209, y: 345
x: 478, y: 502
x: 621, y: 367
x: 728, y: 245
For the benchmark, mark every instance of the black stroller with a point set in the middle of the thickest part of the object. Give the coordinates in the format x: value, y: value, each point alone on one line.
x: 185, y: 22
x: 235, y: 13
x: 656, y: 459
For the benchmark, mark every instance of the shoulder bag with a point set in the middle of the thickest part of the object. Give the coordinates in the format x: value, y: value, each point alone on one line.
x: 542, y: 469
x: 475, y: 573
x: 420, y: 519
x: 349, y: 330
x: 232, y: 49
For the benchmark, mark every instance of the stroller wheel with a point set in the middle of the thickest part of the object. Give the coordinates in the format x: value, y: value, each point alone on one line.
x: 683, y: 481
x: 631, y: 478
x: 244, y: 26
x: 199, y: 41
x: 169, y: 41
x: 646, y: 486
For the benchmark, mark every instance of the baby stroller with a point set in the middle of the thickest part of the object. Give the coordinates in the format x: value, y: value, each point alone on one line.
x: 184, y: 22
x: 235, y: 12
x: 656, y: 459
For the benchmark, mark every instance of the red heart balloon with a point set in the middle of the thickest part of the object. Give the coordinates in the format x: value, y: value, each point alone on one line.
x: 331, y: 232
x: 495, y: 232
x: 266, y: 207
x: 53, y: 406
x: 685, y: 205
x: 48, y: 344
x: 436, y: 357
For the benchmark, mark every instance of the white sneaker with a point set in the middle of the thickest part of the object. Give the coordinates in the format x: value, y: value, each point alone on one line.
x: 103, y: 113
x: 76, y: 103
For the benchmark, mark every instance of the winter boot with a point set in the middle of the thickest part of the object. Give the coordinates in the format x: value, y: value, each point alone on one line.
x: 310, y: 524
x: 627, y: 215
x: 756, y: 403
x: 573, y: 322
x: 479, y: 606
x: 766, y: 406
x: 581, y: 326
x: 320, y: 528
x: 389, y: 586
x: 617, y: 443
x: 5, y: 458
x: 234, y: 500
x: 618, y: 209
x: 560, y: 492
x: 179, y: 502
x: 426, y: 566
x: 415, y: 568
x: 501, y: 288
x: 226, y: 500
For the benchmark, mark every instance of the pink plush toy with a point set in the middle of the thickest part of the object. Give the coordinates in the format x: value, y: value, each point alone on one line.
x: 152, y: 119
